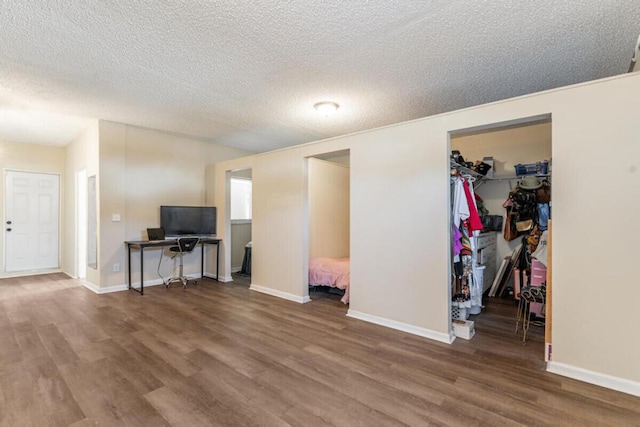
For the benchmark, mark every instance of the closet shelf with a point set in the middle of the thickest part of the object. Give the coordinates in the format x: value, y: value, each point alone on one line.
x: 465, y: 170
x: 512, y: 177
x: 509, y: 178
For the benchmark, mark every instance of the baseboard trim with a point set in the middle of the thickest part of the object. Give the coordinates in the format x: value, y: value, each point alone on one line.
x: 597, y: 378
x: 91, y: 286
x: 279, y: 294
x: 404, y: 327
x: 118, y: 288
x: 221, y: 278
x: 5, y: 275
x: 235, y: 269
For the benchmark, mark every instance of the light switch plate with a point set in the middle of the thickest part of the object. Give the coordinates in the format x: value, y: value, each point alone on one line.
x: 115, y: 218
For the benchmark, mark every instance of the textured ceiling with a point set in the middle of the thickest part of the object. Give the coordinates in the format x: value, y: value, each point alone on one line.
x: 247, y: 73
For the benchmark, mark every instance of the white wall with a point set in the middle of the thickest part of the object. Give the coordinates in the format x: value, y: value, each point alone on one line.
x: 31, y: 158
x: 81, y: 153
x: 141, y: 169
x: 328, y: 209
x: 399, y: 221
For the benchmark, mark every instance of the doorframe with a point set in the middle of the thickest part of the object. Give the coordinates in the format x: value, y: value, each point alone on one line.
x: 305, y: 214
x: 228, y: 174
x: 82, y: 198
x: 481, y: 128
x: 234, y: 176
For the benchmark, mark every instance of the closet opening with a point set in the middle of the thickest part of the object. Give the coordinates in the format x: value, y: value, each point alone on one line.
x: 328, y: 228
x: 500, y: 205
x: 240, y: 221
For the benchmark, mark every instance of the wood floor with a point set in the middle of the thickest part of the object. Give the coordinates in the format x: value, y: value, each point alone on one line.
x: 219, y: 354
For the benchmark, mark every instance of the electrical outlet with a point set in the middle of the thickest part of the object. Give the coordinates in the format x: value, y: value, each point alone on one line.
x: 116, y: 267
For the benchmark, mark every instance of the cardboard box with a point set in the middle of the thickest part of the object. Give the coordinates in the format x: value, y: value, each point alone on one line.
x: 463, y: 328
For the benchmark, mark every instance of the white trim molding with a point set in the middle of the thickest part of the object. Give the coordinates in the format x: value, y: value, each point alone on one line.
x: 118, y: 288
x: 597, y: 378
x: 404, y: 327
x: 280, y: 294
x: 223, y: 279
x: 93, y: 288
x: 5, y: 275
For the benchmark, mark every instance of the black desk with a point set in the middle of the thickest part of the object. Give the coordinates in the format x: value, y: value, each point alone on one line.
x: 142, y: 244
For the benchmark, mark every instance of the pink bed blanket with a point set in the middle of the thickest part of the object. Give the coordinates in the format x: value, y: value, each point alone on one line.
x: 332, y: 272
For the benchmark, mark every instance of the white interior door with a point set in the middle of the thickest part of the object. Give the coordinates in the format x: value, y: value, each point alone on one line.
x: 32, y: 203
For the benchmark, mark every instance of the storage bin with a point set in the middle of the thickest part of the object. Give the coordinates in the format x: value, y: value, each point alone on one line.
x: 476, y: 294
x: 464, y: 329
x: 538, y: 168
x: 461, y: 313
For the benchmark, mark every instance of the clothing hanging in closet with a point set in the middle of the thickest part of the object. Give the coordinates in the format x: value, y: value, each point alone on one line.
x: 465, y: 224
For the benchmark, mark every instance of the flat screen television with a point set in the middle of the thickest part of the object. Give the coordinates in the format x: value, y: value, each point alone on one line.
x: 188, y: 220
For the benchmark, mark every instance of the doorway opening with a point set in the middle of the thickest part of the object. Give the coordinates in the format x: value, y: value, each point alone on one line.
x: 240, y: 214
x: 327, y: 273
x: 506, y: 169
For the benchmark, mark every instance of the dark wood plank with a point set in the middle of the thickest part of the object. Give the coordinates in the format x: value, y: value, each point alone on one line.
x: 107, y: 396
x: 56, y: 344
x: 29, y: 341
x: 53, y: 392
x: 219, y: 354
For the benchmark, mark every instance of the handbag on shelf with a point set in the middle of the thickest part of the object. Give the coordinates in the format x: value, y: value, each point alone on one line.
x: 510, y: 231
x: 525, y: 225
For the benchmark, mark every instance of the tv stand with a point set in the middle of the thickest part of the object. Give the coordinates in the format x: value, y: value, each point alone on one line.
x: 142, y: 244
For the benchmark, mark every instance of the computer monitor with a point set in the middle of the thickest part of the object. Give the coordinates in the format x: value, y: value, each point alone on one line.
x: 188, y: 220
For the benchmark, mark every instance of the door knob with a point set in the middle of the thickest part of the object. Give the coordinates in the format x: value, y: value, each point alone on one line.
x: 9, y: 222
x: 8, y: 229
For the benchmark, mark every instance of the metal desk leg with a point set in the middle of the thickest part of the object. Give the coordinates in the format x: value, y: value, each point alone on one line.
x: 141, y: 271
x: 202, y: 246
x: 217, y: 261
x: 131, y: 287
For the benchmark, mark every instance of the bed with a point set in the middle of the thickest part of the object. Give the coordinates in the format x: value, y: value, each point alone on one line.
x: 333, y: 272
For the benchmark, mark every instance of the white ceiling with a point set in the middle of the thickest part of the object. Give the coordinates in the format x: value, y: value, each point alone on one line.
x: 247, y: 73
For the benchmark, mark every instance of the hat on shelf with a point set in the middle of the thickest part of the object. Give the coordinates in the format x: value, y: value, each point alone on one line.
x: 530, y: 183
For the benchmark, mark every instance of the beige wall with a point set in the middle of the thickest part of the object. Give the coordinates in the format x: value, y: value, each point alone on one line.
x: 141, y: 169
x: 328, y: 209
x: 508, y: 146
x: 400, y: 216
x: 81, y: 153
x: 32, y: 158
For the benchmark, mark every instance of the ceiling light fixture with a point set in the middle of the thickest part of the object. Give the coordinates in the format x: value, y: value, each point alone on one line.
x: 326, y: 108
